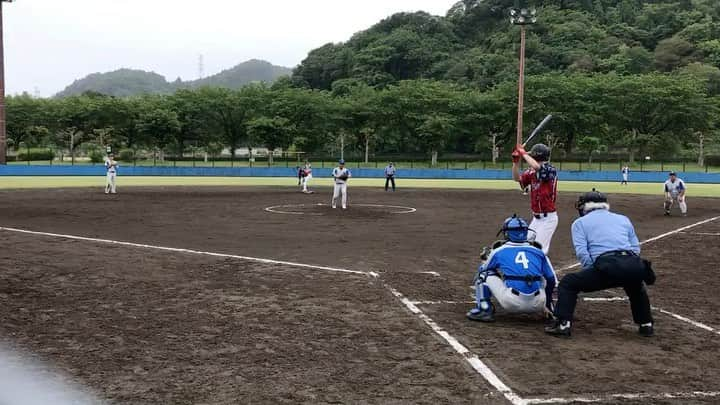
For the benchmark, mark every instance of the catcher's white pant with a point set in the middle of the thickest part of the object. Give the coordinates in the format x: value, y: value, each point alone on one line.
x: 110, y: 183
x: 305, y: 182
x: 544, y: 228
x: 515, y: 303
x: 340, y: 188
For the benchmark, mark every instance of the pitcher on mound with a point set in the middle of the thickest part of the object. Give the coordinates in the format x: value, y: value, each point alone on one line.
x: 341, y: 174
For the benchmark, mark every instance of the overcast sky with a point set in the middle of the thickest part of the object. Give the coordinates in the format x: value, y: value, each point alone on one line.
x: 50, y: 43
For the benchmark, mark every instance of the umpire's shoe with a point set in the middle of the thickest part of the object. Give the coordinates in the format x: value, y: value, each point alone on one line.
x: 646, y: 330
x: 477, y: 314
x: 559, y: 329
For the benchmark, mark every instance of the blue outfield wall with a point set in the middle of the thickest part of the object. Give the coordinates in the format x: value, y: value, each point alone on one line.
x: 640, y: 177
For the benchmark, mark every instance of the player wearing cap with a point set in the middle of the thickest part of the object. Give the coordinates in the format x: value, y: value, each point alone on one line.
x: 390, y: 176
x: 609, y: 251
x: 675, y: 193
x: 340, y: 174
x: 306, y: 177
x: 111, y: 172
x: 516, y: 273
x: 541, y: 177
x: 625, y: 174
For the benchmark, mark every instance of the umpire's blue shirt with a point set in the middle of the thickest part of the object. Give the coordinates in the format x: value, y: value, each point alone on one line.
x: 602, y: 231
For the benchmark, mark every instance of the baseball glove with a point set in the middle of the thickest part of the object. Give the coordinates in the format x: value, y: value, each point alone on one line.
x: 344, y: 177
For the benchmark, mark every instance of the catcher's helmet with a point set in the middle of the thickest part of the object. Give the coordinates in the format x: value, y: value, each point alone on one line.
x: 592, y: 197
x: 540, y: 152
x: 515, y: 229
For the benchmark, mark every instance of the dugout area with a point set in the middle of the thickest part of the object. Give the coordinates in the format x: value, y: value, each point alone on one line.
x: 144, y: 325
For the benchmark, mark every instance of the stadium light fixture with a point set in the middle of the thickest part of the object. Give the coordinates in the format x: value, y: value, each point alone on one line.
x: 3, y: 134
x: 522, y: 17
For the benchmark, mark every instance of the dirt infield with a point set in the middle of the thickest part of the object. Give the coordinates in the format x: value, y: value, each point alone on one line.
x: 142, y: 325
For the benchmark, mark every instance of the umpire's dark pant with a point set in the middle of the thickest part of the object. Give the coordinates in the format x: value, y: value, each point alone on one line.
x: 610, y: 271
x: 389, y: 179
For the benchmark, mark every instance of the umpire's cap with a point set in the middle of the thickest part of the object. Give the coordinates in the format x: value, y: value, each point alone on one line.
x: 593, y: 196
x: 540, y: 152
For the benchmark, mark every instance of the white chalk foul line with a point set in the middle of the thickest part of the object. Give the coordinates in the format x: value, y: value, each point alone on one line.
x: 190, y: 251
x: 471, y: 358
x: 672, y: 314
x: 611, y: 397
x: 702, y: 233
x: 653, y: 239
x: 688, y: 320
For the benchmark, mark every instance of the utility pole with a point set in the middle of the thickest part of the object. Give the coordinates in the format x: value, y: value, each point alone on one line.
x: 522, y: 17
x: 3, y: 134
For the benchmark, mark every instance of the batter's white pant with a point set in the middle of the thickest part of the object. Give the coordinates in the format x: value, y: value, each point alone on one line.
x: 110, y: 183
x: 337, y: 191
x: 305, y: 182
x: 544, y: 229
x: 515, y: 303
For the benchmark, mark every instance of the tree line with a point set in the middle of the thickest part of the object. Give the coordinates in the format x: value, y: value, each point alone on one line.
x: 655, y: 113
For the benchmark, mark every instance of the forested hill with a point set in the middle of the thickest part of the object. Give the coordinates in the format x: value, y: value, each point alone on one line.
x: 127, y: 82
x: 475, y: 43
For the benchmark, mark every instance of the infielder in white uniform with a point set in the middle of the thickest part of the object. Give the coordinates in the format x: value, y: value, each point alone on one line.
x: 111, y: 169
x: 675, y: 192
x: 307, y: 176
x: 340, y: 174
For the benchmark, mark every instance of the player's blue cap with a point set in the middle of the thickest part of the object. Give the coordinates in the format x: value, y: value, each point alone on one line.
x: 673, y: 174
x: 341, y: 161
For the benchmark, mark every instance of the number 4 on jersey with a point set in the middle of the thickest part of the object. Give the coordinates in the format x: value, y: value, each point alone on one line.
x: 522, y: 259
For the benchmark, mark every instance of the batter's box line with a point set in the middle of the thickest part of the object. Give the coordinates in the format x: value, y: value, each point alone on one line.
x: 191, y: 251
x: 614, y: 397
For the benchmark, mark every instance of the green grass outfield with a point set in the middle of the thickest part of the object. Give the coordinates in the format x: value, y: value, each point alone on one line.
x: 18, y: 182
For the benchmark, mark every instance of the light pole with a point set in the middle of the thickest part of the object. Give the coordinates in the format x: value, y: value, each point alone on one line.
x: 522, y: 17
x: 3, y: 135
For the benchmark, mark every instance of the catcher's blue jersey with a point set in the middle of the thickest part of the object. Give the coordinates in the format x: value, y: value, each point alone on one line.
x: 520, y: 260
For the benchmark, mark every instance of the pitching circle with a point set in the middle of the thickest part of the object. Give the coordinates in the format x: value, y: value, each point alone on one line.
x: 304, y: 209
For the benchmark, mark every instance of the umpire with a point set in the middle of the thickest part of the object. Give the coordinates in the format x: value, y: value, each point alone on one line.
x: 608, y: 250
x: 390, y: 176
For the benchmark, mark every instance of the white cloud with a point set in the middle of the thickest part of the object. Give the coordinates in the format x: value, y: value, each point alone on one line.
x: 50, y: 43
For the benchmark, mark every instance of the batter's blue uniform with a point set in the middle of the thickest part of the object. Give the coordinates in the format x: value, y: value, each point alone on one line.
x: 519, y: 276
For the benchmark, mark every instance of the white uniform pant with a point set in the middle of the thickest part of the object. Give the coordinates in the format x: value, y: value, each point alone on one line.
x: 625, y: 178
x: 515, y: 303
x: 110, y: 183
x: 544, y: 228
x: 340, y: 189
x: 675, y: 199
x: 306, y: 182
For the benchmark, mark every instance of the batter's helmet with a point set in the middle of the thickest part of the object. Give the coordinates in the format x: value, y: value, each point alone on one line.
x: 540, y: 152
x: 595, y: 198
x: 515, y: 229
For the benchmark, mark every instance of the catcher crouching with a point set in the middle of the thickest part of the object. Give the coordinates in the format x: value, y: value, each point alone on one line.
x: 516, y: 273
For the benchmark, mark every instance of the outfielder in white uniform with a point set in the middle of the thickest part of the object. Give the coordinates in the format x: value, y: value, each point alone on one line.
x: 111, y: 169
x: 340, y: 174
x: 675, y: 192
x: 625, y: 174
x: 307, y: 176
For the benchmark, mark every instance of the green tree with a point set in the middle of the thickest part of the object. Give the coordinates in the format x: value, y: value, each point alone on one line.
x: 273, y: 133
